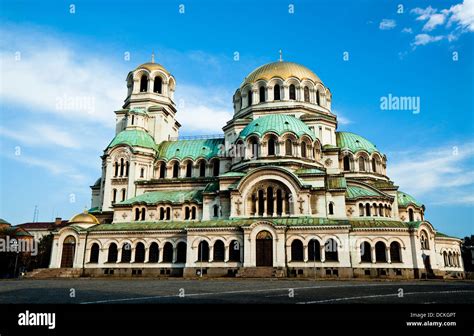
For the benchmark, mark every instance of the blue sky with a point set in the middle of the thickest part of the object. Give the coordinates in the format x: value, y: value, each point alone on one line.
x: 50, y: 150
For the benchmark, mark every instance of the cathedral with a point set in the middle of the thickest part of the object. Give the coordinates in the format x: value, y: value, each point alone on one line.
x: 281, y: 193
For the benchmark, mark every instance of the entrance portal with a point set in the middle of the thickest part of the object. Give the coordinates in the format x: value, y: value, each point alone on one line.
x: 69, y: 247
x: 264, y: 249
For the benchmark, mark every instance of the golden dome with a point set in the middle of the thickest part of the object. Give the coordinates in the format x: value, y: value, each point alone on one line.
x: 282, y: 70
x: 152, y: 66
x: 84, y: 218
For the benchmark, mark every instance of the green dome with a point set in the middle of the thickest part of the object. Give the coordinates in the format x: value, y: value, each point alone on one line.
x: 404, y: 200
x: 354, y: 142
x: 133, y: 138
x: 278, y: 123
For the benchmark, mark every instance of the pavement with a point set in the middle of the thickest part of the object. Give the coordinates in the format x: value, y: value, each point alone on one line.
x: 240, y: 291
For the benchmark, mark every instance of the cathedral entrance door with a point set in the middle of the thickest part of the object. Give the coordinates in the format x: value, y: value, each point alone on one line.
x: 67, y: 257
x: 264, y: 249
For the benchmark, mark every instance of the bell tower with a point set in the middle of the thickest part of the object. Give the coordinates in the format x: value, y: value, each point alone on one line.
x: 149, y: 104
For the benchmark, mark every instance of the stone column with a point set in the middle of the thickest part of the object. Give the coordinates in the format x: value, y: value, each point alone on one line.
x: 264, y: 203
x: 285, y: 95
x: 132, y: 257
x: 257, y: 205
x: 387, y: 254
x: 283, y: 205
x: 175, y: 254
x: 119, y: 254
x: 274, y: 204
x: 305, y: 253
x: 211, y: 253
x: 372, y: 254
x: 147, y: 254
x: 226, y: 253
x: 323, y: 253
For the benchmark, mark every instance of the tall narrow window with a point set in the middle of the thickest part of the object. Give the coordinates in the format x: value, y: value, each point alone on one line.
x: 154, y: 253
x: 143, y: 214
x: 193, y: 213
x: 203, y: 251
x: 367, y: 209
x: 306, y: 94
x: 411, y: 216
x: 215, y: 209
x: 262, y: 94
x: 142, y: 172
x: 215, y: 167
x: 127, y: 167
x: 395, y: 255
x: 133, y: 120
x: 303, y: 149
x: 168, y: 213
x: 116, y: 166
x: 123, y: 194
x: 140, y: 253
x: 137, y: 214
x: 202, y: 168
x: 121, y: 167
x: 361, y: 164
x: 175, y: 169
x: 292, y: 92
x: 276, y: 92
x: 114, y: 195
x: 162, y: 170
x: 219, y: 251
x: 144, y: 84
x: 94, y: 256
x: 271, y: 146
x: 314, y: 250
x: 331, y: 208
x: 112, y: 253
x: 361, y: 210
x: 374, y: 165
x: 288, y: 147
x: 189, y: 169
x: 249, y: 98
x: 157, y: 85
x: 318, y: 98
x: 347, y: 164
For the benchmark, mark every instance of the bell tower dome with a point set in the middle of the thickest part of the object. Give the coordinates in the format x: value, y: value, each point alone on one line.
x: 149, y: 104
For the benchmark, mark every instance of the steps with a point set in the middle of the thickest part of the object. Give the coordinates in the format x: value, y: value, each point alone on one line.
x: 46, y: 273
x: 261, y: 272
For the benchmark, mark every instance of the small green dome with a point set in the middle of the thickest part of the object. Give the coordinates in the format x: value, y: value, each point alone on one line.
x: 278, y: 123
x: 133, y: 137
x: 354, y: 142
x: 404, y: 200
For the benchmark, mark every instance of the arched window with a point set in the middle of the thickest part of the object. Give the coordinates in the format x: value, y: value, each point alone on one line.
x: 133, y: 119
x: 127, y: 166
x: 121, y: 167
x: 330, y: 249
x: 189, y: 169
x: 215, y: 167
x: 215, y: 210
x: 445, y: 256
x: 162, y: 170
x: 143, y: 214
x: 137, y: 214
x: 219, y: 251
x: 140, y: 253
x: 187, y: 213
x: 303, y: 149
x: 254, y: 148
x: 94, y: 257
x: 234, y: 251
x: 157, y: 84
x: 296, y: 250
x: 395, y: 255
x: 331, y: 208
x: 361, y: 164
x: 276, y: 92
x: 261, y: 202
x: 202, y: 168
x: 450, y: 259
x: 203, y: 251
x: 154, y: 253
x: 262, y: 94
x: 271, y: 146
x: 424, y: 240
x: 144, y: 84
x: 306, y: 94
x: 346, y: 163
x: 365, y: 252
x: 411, y: 216
x: 168, y: 252
x: 113, y: 252
x: 175, y: 169
x: 380, y: 252
x: 374, y: 165
x: 181, y: 252
x: 375, y: 209
x: 168, y: 213
x: 126, y: 253
x: 361, y: 210
x: 314, y: 250
x: 367, y: 209
x: 142, y: 172
x: 193, y: 213
x: 114, y: 195
x: 380, y: 210
x: 292, y: 92
x: 249, y: 98
x: 288, y: 147
x: 116, y: 170
x: 318, y: 98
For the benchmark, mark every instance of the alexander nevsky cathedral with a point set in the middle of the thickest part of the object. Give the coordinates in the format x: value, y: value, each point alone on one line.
x: 280, y: 193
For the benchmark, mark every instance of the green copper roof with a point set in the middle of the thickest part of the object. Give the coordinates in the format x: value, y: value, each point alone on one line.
x: 354, y: 142
x: 138, y: 110
x: 233, y: 174
x: 133, y: 137
x: 404, y: 200
x: 278, y: 123
x: 336, y: 182
x: 371, y: 223
x: 2, y: 221
x: 354, y: 192
x: 193, y: 149
x: 309, y: 171
x: 171, y: 196
x: 212, y: 187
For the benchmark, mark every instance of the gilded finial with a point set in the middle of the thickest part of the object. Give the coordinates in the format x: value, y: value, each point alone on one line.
x: 281, y: 56
x: 153, y: 57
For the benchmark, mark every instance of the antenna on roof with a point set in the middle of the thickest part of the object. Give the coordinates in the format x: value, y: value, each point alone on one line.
x: 281, y: 56
x: 153, y: 57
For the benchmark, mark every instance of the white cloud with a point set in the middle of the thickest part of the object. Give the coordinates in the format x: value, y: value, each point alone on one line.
x: 463, y: 15
x: 407, y: 30
x: 436, y: 172
x: 434, y: 21
x: 387, y: 24
x: 424, y: 39
x: 423, y: 14
x: 41, y: 135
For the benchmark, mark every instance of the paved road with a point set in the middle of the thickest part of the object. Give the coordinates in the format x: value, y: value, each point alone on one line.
x: 96, y: 291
